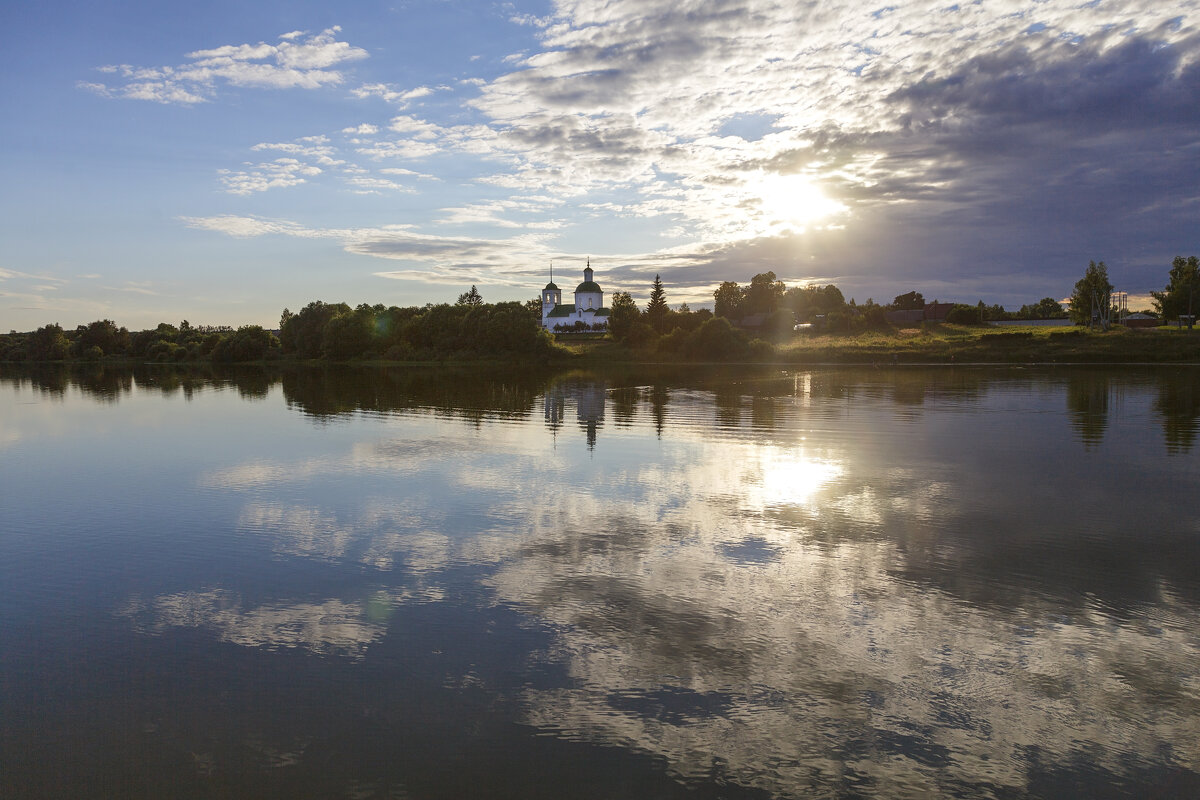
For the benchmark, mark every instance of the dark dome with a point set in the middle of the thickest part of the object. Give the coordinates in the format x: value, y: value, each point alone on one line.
x: 551, y: 286
x: 587, y: 286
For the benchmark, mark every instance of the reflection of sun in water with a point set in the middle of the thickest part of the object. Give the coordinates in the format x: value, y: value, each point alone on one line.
x: 789, y: 480
x: 790, y: 202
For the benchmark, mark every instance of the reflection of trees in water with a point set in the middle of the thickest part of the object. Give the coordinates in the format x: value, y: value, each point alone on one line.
x: 728, y: 401
x: 111, y: 382
x: 98, y: 381
x: 470, y: 394
x: 173, y: 380
x: 50, y: 379
x: 1087, y: 399
x: 624, y: 402
x: 659, y: 396
x: 1178, y: 402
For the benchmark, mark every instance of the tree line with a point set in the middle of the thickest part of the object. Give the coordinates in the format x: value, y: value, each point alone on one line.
x: 744, y: 322
x: 164, y: 343
x: 334, y: 331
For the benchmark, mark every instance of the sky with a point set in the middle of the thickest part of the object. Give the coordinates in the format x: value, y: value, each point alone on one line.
x: 220, y: 162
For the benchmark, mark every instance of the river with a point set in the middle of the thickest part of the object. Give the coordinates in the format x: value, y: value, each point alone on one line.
x: 430, y: 583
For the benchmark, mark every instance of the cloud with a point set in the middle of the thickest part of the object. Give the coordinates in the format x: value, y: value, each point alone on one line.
x: 364, y: 184
x: 971, y: 113
x: 9, y: 274
x: 972, y: 150
x: 134, y: 287
x: 393, y: 94
x: 297, y: 61
x: 334, y: 626
x: 281, y: 172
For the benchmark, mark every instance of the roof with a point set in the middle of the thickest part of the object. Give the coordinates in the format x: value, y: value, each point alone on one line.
x: 563, y: 310
x: 551, y: 285
x: 588, y: 286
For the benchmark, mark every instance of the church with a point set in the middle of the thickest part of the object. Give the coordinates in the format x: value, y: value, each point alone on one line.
x: 588, y: 307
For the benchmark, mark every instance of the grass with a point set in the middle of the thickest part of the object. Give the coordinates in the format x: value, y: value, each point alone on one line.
x: 958, y: 344
x: 971, y: 344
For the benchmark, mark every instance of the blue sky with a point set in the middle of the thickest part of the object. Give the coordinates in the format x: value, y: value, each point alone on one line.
x: 220, y: 162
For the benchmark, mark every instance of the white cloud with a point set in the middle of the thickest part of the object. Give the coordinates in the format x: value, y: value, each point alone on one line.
x: 135, y: 287
x: 246, y: 227
x: 637, y: 110
x: 364, y: 184
x: 294, y: 62
x: 394, y: 94
x: 281, y: 172
x: 8, y: 274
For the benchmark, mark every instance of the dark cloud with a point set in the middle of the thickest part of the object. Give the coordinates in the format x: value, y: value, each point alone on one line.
x: 1026, y: 163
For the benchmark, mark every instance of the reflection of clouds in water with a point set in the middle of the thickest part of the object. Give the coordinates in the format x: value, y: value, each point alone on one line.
x: 729, y: 601
x: 333, y: 626
x: 819, y: 657
x: 381, y: 457
x: 377, y: 536
x: 820, y: 667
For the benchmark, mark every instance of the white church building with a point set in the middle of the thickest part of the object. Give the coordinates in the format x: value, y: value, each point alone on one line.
x: 587, y: 308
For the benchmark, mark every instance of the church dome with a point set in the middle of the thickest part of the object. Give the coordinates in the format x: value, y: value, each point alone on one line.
x: 550, y: 287
x: 587, y: 286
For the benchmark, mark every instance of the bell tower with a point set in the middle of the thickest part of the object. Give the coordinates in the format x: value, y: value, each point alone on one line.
x: 551, y: 295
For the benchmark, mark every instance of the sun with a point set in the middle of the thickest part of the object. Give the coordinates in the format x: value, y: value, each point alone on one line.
x: 790, y: 202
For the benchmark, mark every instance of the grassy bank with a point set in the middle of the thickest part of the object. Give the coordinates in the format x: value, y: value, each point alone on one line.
x: 946, y: 344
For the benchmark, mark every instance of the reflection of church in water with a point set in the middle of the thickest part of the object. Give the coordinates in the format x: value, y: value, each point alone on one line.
x: 588, y: 397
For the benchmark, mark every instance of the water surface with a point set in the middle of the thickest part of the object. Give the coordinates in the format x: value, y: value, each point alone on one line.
x: 423, y: 583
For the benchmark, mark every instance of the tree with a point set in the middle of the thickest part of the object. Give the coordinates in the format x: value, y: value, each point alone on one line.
x: 303, y: 332
x: 348, y: 335
x: 1092, y: 298
x: 104, y: 334
x: 909, y: 302
x: 1182, y: 293
x: 728, y: 299
x: 248, y: 343
x: 48, y: 343
x: 623, y: 314
x: 764, y: 293
x: 534, y: 307
x: 812, y: 300
x: 656, y: 309
x: 1046, y: 308
x: 471, y: 298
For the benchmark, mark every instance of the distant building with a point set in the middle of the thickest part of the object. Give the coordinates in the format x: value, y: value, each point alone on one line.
x: 937, y: 312
x: 932, y: 312
x: 1140, y: 320
x: 588, y: 307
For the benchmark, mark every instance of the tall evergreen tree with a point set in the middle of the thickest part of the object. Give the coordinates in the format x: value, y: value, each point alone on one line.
x: 656, y: 309
x: 471, y: 298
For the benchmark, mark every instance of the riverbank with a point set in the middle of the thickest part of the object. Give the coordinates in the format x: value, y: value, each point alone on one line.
x: 929, y: 344
x: 947, y: 344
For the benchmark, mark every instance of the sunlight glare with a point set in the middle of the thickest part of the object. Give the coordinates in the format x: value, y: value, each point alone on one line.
x: 792, y: 480
x: 791, y: 202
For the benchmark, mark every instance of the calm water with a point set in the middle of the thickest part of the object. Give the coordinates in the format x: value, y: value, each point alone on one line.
x: 425, y: 584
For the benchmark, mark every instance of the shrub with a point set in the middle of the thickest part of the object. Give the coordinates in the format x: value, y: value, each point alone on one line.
x: 962, y: 314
